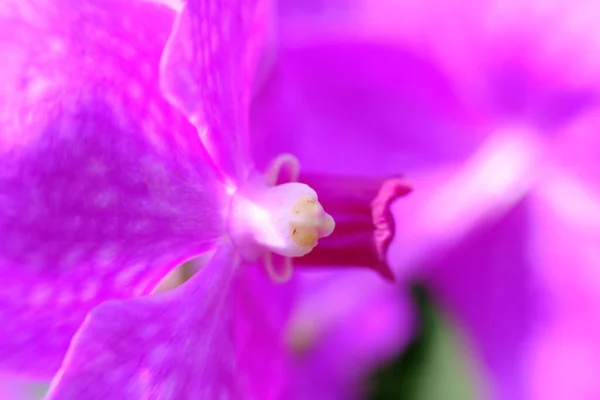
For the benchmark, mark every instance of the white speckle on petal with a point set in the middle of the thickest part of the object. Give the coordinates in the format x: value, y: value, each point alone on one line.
x: 146, y: 71
x: 40, y: 294
x: 128, y: 52
x: 37, y: 87
x: 22, y: 338
x: 159, y: 354
x: 152, y: 134
x: 64, y: 297
x: 141, y: 287
x: 224, y: 395
x: 126, y: 276
x: 105, y: 199
x: 140, y: 226
x: 167, y: 388
x: 106, y: 255
x: 89, y: 291
x: 72, y: 258
x: 135, y: 91
x: 126, y: 22
x: 56, y: 45
x: 150, y: 330
x: 73, y: 224
x: 156, y: 113
x: 96, y: 167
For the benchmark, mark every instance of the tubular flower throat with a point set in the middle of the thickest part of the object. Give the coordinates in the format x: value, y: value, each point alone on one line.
x: 279, y: 219
x: 277, y: 222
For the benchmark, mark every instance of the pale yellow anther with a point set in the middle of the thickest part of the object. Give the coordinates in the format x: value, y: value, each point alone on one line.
x: 304, y: 236
x: 286, y: 219
x: 309, y: 222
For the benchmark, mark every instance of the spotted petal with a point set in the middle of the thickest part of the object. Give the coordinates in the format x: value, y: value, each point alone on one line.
x: 207, y: 71
x: 105, y: 186
x: 263, y: 310
x: 176, y: 345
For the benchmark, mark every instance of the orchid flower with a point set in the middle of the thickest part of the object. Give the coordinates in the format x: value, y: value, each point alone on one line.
x: 125, y: 152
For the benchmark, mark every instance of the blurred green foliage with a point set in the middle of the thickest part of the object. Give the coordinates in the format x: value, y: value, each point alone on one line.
x: 432, y: 367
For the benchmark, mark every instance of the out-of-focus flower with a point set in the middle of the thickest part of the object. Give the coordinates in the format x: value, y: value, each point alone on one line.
x: 490, y: 107
x: 108, y: 187
x: 336, y: 340
x: 11, y: 389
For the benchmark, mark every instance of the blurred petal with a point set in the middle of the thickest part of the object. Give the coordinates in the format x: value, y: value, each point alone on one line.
x: 564, y: 362
x: 343, y: 327
x: 451, y: 202
x: 263, y: 311
x: 105, y: 187
x: 175, y: 345
x: 504, y: 58
x: 174, y: 4
x: 208, y: 69
x: 386, y: 108
x: 11, y: 389
x: 563, y: 356
x: 566, y: 221
x: 565, y: 244
x: 487, y: 284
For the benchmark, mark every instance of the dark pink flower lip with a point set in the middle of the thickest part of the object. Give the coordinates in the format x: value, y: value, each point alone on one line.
x: 364, y: 223
x: 390, y: 190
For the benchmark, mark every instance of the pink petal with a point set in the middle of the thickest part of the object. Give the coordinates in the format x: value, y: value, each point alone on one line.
x: 176, y: 345
x: 387, y: 109
x: 562, y: 361
x: 11, y: 389
x: 208, y: 69
x: 567, y: 214
x: 262, y: 313
x: 487, y: 285
x: 452, y: 202
x: 506, y: 59
x: 344, y: 327
x: 105, y: 187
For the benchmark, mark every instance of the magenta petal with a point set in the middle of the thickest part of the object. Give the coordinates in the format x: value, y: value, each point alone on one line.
x: 207, y: 71
x: 486, y: 283
x: 263, y: 311
x: 452, y: 202
x: 563, y: 362
x: 343, y: 328
x: 105, y: 187
x: 513, y: 59
x: 365, y: 100
x: 566, y: 216
x: 10, y: 390
x: 563, y: 358
x: 176, y: 345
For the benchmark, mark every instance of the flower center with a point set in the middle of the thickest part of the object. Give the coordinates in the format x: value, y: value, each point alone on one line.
x: 286, y: 219
x: 277, y: 221
x: 276, y: 218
